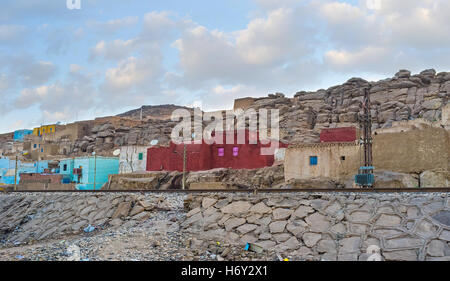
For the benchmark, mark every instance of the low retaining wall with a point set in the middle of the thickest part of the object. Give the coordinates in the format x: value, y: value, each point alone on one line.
x: 325, y: 226
x: 26, y: 217
x: 294, y: 225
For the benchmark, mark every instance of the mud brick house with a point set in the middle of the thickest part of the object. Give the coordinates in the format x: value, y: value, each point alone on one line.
x: 204, y: 156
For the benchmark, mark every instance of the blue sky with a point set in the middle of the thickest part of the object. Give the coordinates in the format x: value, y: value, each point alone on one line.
x: 110, y: 56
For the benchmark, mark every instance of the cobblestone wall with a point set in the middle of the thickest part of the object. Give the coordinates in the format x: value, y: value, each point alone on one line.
x: 320, y: 226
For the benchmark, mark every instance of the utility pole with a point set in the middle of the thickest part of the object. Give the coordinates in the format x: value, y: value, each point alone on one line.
x: 184, y: 165
x: 365, y: 178
x: 15, y: 175
x: 95, y: 168
x: 367, y: 123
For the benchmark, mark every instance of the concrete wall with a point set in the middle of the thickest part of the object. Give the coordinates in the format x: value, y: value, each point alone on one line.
x: 129, y: 159
x: 323, y: 226
x: 412, y: 151
x: 330, y: 164
x: 97, y: 170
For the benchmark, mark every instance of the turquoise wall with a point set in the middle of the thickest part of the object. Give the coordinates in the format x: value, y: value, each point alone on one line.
x: 22, y: 167
x: 99, y: 168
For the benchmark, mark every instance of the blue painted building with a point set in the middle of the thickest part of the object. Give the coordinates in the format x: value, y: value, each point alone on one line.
x: 20, y: 134
x: 8, y: 166
x: 66, y: 169
x: 88, y: 168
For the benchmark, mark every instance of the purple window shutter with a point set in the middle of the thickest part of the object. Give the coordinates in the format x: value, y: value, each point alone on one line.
x: 235, y: 151
x: 221, y: 152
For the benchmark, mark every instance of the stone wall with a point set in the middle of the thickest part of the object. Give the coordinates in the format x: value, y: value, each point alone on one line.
x: 30, y: 217
x: 293, y: 225
x: 326, y: 226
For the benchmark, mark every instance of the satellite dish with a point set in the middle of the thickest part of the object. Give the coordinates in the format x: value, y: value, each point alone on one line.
x: 154, y: 142
x: 116, y: 152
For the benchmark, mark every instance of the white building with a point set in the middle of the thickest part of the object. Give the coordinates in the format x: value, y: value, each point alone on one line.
x: 132, y: 159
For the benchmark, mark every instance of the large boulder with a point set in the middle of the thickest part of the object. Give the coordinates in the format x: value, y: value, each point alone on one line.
x: 390, y: 179
x: 434, y: 179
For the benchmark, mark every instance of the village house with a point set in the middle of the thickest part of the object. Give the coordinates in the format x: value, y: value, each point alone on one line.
x: 203, y: 156
x: 85, y: 171
x: 20, y: 134
x: 132, y: 159
x: 416, y: 147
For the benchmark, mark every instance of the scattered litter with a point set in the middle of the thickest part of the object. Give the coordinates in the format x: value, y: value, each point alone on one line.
x: 254, y: 248
x: 89, y: 228
x: 279, y: 257
x: 86, y: 259
x: 19, y: 257
x: 219, y: 258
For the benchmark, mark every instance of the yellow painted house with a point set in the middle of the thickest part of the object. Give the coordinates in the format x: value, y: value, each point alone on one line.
x: 46, y: 129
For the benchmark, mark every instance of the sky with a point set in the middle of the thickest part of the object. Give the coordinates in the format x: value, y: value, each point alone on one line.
x: 61, y: 65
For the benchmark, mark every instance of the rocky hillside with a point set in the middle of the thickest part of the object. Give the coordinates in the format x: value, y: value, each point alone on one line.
x: 302, y: 117
x: 402, y: 97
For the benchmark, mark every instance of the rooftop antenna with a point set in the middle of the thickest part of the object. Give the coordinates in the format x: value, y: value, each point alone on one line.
x: 365, y: 177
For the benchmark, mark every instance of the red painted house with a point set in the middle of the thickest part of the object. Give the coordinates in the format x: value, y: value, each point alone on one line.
x: 344, y: 134
x: 205, y: 156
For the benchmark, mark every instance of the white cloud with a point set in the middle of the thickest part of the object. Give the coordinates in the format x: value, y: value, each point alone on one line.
x: 12, y: 34
x: 114, y: 25
x: 344, y: 60
x: 115, y: 50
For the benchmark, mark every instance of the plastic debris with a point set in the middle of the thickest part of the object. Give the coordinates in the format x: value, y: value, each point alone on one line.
x: 19, y: 257
x: 254, y: 248
x: 89, y: 228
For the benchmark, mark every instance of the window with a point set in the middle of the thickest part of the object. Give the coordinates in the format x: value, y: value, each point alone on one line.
x: 342, y: 158
x: 313, y: 160
x: 34, y: 145
x: 221, y: 152
x: 141, y: 156
x: 65, y: 167
x: 51, y: 129
x: 235, y: 151
x: 42, y: 150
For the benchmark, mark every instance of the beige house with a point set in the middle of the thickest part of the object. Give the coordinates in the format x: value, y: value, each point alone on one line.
x: 409, y: 147
x: 321, y: 160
